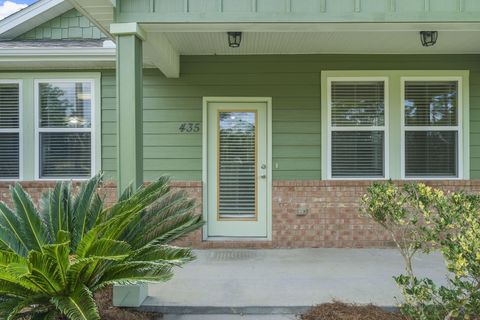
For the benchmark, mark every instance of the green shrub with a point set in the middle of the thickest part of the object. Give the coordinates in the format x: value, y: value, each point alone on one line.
x: 420, y: 217
x: 54, y: 259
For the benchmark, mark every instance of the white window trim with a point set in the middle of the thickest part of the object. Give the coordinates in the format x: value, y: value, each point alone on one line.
x: 385, y: 128
x: 458, y: 127
x: 18, y: 130
x: 92, y: 128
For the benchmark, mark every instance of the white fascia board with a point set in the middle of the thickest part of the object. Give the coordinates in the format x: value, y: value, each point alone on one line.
x: 61, y: 54
x: 308, y: 27
x: 31, y: 17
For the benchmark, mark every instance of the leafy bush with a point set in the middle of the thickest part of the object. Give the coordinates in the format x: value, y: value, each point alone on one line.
x: 53, y: 260
x: 420, y: 217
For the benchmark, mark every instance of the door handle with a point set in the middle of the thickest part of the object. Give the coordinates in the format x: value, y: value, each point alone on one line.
x: 263, y: 176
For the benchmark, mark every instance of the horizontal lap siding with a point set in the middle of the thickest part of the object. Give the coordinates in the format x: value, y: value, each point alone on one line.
x: 294, y: 84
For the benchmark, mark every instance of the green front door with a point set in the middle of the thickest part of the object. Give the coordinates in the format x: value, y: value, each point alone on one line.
x: 237, y: 169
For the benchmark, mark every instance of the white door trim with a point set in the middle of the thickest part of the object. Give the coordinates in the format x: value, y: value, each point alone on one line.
x: 206, y: 101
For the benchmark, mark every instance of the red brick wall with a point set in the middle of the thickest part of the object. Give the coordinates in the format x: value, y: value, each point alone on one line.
x: 332, y: 218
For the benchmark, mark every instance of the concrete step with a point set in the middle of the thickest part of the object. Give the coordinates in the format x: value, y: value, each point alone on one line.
x: 154, y: 307
x: 228, y: 317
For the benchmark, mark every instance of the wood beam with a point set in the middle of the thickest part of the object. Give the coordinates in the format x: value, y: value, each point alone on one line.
x: 160, y: 52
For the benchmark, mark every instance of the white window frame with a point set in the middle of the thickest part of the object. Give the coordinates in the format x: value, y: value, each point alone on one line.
x: 18, y: 130
x: 384, y: 128
x: 39, y: 130
x: 458, y: 128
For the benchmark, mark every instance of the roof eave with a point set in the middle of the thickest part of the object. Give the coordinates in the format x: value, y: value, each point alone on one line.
x: 31, y: 17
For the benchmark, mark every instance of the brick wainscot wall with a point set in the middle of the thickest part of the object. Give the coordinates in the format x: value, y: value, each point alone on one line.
x: 331, y: 207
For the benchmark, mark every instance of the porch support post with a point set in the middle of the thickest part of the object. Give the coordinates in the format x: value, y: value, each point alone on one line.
x: 129, y: 104
x: 129, y: 38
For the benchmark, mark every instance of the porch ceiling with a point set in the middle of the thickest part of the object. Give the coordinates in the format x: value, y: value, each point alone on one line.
x: 352, y: 39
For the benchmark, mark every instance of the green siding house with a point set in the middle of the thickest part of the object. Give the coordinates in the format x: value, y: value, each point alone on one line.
x: 274, y: 114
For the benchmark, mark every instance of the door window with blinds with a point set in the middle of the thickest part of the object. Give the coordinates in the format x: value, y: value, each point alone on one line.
x: 10, y: 105
x: 64, y: 129
x: 357, y: 128
x: 431, y: 128
x: 237, y: 143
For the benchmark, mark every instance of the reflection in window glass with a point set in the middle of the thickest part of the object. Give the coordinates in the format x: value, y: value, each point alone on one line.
x: 237, y: 168
x: 65, y: 123
x: 431, y: 129
x: 65, y: 105
x: 432, y: 103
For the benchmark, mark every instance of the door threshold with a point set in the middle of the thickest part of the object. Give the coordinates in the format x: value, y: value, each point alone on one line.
x: 238, y: 239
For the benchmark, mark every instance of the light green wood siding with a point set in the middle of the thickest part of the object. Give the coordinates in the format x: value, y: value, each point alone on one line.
x: 294, y: 84
x: 70, y: 25
x: 297, y: 11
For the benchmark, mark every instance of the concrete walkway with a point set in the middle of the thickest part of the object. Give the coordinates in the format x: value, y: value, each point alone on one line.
x: 284, y: 281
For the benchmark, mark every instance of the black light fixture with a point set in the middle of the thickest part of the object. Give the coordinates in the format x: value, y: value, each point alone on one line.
x: 429, y: 38
x: 234, y: 39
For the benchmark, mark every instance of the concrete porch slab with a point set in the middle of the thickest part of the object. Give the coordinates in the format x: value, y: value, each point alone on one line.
x: 285, y: 281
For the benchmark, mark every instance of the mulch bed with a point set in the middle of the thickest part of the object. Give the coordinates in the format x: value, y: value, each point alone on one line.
x: 109, y: 312
x: 343, y: 311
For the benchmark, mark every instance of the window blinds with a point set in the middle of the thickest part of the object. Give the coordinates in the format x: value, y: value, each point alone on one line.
x: 357, y: 154
x: 431, y: 129
x: 65, y: 155
x: 357, y: 129
x: 9, y: 130
x: 358, y: 104
x: 431, y: 103
x: 431, y: 153
x: 237, y: 164
x: 65, y: 112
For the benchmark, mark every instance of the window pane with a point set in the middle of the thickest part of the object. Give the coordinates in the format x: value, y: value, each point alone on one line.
x: 9, y: 105
x: 9, y: 156
x: 65, y: 104
x: 431, y: 153
x: 358, y: 104
x: 237, y: 158
x: 357, y: 154
x: 431, y: 103
x: 65, y: 155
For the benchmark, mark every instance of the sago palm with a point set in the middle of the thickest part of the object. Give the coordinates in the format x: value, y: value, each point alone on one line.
x: 53, y: 259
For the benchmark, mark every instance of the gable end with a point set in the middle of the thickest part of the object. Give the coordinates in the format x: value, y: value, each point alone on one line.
x: 71, y: 25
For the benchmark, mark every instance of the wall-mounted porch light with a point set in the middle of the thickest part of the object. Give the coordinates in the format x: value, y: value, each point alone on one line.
x: 429, y: 38
x: 234, y: 39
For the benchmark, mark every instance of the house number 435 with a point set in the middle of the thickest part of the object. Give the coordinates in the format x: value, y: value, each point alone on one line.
x: 189, y: 127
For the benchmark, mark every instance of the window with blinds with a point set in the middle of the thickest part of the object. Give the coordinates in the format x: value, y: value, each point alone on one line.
x: 65, y: 129
x: 431, y: 129
x: 10, y: 130
x: 357, y: 129
x: 237, y: 188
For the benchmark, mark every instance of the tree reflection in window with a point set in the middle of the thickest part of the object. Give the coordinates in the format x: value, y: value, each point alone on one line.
x: 237, y: 157
x: 432, y: 103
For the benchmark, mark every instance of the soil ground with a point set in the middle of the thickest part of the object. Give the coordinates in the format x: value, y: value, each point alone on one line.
x: 343, y: 311
x: 109, y: 312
